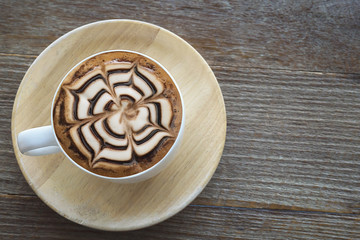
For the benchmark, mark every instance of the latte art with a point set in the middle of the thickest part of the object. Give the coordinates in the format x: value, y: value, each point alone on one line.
x: 117, y: 114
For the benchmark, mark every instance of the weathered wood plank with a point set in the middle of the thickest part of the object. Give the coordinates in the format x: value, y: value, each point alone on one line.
x: 293, y: 140
x: 195, y: 222
x: 308, y: 35
x: 12, y: 70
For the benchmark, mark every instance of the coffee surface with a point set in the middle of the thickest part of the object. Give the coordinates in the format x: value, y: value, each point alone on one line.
x: 117, y: 114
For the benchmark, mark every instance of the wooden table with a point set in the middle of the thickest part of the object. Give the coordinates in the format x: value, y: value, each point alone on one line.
x: 290, y: 76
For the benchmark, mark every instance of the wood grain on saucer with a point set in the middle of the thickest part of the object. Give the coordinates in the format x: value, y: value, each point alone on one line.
x: 97, y: 203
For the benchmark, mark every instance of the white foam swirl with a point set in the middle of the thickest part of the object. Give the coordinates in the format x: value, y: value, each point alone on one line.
x: 119, y: 113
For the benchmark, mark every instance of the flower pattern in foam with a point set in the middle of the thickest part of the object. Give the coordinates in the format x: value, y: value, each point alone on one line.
x: 118, y: 111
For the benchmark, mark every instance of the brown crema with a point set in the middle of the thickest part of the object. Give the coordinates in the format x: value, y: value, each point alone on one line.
x: 117, y: 113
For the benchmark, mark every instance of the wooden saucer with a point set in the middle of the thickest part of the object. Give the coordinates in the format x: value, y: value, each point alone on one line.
x: 97, y: 203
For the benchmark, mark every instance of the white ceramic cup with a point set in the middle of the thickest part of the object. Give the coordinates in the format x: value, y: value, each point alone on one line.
x: 42, y: 140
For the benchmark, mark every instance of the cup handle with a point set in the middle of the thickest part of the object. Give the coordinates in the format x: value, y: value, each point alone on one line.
x: 37, y: 141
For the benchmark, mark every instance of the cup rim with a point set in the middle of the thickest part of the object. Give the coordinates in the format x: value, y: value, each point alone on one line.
x: 133, y: 176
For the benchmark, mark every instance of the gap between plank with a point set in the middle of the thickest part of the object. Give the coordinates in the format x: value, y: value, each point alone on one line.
x: 214, y: 66
x: 273, y: 210
x: 28, y: 196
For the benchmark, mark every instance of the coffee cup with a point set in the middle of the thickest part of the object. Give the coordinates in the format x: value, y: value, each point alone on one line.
x: 118, y: 115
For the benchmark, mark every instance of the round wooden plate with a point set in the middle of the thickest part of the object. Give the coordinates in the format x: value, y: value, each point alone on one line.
x: 99, y: 204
